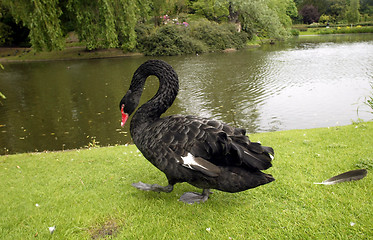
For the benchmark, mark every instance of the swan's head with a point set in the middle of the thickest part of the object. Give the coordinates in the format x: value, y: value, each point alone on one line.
x: 128, y: 105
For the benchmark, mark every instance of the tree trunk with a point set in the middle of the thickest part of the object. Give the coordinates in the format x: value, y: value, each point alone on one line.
x: 233, y: 17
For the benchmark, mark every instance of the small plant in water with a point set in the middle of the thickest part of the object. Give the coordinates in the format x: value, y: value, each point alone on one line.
x: 369, y: 100
x: 93, y: 143
x: 1, y: 94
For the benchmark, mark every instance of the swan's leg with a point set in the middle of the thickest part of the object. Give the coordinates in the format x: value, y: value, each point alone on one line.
x: 192, y: 197
x: 153, y: 187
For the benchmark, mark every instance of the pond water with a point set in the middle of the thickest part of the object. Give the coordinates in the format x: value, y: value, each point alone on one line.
x: 307, y: 82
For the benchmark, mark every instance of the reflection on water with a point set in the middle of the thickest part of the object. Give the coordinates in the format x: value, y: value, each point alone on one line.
x: 305, y: 83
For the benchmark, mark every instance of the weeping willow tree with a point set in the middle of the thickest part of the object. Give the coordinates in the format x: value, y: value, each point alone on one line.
x: 41, y: 18
x: 257, y: 17
x: 111, y: 23
x: 100, y: 23
x: 105, y: 23
x: 266, y: 18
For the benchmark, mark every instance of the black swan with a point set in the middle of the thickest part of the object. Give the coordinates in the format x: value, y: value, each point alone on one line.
x: 205, y: 153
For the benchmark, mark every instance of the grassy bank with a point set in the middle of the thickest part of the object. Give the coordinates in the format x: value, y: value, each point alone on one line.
x: 335, y: 30
x: 87, y: 194
x: 69, y: 53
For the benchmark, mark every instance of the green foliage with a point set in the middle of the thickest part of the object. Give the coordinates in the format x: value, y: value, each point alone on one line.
x: 168, y: 40
x: 337, y: 10
x: 104, y: 23
x: 345, y: 30
x: 5, y: 34
x: 42, y: 18
x: 111, y: 24
x: 285, y: 10
x: 324, y: 18
x: 200, y: 36
x: 353, y: 14
x: 11, y: 33
x: 213, y: 10
x: 341, y: 11
x: 294, y: 32
x: 218, y: 36
x: 257, y: 18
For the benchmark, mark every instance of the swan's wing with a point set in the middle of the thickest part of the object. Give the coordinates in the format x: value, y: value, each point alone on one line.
x: 229, y: 146
x: 204, y: 145
x: 201, y: 165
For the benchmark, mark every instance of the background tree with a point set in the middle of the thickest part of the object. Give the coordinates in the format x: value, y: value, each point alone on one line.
x: 366, y: 6
x: 105, y: 23
x: 214, y: 10
x: 256, y: 17
x: 286, y: 11
x: 321, y: 5
x: 41, y: 18
x: 159, y: 8
x: 337, y: 10
x: 310, y: 14
x: 353, y: 14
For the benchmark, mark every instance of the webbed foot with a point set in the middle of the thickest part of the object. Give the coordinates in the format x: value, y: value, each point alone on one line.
x: 153, y: 187
x: 192, y: 197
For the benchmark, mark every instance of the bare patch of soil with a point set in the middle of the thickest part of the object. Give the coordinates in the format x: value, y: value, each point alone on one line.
x: 109, y: 228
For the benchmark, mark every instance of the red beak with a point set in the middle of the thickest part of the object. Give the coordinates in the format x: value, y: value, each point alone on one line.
x: 124, y: 117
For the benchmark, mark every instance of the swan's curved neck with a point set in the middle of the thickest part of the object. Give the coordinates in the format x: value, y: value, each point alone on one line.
x: 161, y: 101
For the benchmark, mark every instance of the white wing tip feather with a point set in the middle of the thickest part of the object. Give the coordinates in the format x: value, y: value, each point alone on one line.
x: 189, y: 161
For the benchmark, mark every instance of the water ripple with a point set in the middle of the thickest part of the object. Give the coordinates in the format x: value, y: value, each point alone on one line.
x: 303, y: 84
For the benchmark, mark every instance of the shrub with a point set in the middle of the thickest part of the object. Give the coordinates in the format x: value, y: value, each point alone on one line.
x: 347, y: 30
x: 200, y: 36
x: 294, y: 32
x: 218, y: 37
x: 169, y: 40
x: 143, y: 31
x: 5, y: 34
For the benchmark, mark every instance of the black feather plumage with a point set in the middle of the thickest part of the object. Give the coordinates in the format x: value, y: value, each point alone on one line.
x: 203, y: 152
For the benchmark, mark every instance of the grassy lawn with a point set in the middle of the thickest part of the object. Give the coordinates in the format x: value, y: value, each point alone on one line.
x: 87, y: 194
x: 337, y: 30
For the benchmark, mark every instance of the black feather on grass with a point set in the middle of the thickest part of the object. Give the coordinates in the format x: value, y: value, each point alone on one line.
x: 345, y: 177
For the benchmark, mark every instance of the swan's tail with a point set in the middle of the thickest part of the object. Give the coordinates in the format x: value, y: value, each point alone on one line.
x: 253, y: 154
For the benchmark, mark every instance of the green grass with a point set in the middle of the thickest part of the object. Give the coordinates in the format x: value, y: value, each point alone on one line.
x: 87, y: 194
x: 338, y: 30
